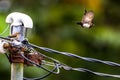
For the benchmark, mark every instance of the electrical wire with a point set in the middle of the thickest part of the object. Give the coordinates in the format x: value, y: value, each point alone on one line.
x: 58, y: 64
x: 39, y: 65
x: 42, y: 77
x: 5, y: 30
x: 76, y: 56
x: 95, y: 73
x: 69, y: 68
x: 66, y: 67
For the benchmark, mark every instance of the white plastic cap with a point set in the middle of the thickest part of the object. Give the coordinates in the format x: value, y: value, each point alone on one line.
x: 17, y: 18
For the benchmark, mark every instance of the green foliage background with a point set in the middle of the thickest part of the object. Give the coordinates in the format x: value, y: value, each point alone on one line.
x: 55, y: 27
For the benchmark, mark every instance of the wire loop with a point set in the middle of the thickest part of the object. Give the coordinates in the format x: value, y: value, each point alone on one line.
x: 57, y: 64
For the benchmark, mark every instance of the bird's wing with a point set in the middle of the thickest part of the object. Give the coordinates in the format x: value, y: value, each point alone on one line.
x: 88, y: 16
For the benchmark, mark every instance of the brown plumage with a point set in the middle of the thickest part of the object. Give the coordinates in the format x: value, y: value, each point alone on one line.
x: 87, y: 19
x: 15, y: 35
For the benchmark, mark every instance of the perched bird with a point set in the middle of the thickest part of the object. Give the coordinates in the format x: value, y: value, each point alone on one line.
x: 15, y: 35
x: 19, y: 23
x: 87, y: 19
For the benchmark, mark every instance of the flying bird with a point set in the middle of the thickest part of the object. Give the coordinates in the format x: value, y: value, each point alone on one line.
x: 87, y: 19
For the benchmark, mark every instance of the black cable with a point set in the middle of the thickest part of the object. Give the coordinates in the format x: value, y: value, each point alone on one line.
x: 89, y: 71
x: 61, y: 65
x: 69, y: 68
x: 8, y: 39
x: 37, y: 64
x: 42, y: 77
x: 95, y: 73
x: 76, y: 56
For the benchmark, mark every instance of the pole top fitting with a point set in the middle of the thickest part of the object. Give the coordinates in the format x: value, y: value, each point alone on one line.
x: 17, y: 18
